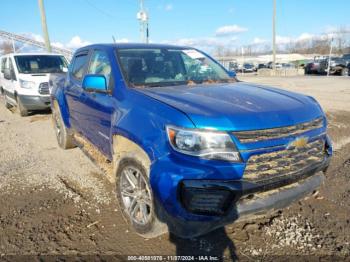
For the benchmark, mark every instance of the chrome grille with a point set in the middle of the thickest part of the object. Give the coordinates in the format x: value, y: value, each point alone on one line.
x: 284, y: 162
x: 44, y: 88
x: 275, y: 133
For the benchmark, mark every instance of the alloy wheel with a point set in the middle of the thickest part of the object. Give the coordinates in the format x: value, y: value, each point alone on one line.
x: 136, y: 195
x: 58, y: 128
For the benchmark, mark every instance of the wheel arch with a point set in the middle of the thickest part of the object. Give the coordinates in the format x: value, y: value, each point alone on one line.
x: 59, y: 97
x: 124, y: 148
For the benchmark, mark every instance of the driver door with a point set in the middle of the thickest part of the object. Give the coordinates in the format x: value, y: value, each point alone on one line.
x: 99, y: 106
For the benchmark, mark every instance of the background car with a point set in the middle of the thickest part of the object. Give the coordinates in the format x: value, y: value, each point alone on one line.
x: 288, y: 65
x: 313, y: 67
x: 277, y: 65
x: 261, y: 66
x: 346, y: 57
x: 25, y: 79
x: 338, y: 66
x: 248, y: 68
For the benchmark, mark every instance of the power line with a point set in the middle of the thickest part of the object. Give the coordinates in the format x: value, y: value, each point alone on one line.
x: 100, y: 10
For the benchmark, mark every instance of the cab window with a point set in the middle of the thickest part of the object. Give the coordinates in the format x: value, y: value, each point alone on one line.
x: 79, y: 66
x: 3, y: 64
x: 12, y: 70
x: 100, y: 65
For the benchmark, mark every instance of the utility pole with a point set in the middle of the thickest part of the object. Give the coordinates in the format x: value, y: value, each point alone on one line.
x: 142, y: 16
x: 242, y: 60
x: 44, y: 26
x: 329, y: 58
x: 274, y: 37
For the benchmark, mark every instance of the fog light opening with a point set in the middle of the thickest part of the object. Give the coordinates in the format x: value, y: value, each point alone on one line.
x: 207, y: 201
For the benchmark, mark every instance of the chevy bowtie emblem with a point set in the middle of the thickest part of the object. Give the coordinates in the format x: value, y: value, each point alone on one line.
x: 299, y: 142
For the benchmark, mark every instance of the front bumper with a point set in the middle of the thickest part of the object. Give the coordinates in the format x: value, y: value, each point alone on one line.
x: 244, y: 200
x: 35, y: 102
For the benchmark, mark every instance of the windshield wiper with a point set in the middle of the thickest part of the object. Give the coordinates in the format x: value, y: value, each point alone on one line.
x: 160, y: 84
x: 231, y: 80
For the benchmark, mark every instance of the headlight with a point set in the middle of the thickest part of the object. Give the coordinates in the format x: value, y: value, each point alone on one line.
x: 203, y: 143
x: 26, y: 84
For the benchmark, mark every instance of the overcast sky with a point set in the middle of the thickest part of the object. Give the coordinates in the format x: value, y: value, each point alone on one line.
x: 202, y: 23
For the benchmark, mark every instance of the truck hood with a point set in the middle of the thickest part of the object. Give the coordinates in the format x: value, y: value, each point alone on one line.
x: 237, y: 106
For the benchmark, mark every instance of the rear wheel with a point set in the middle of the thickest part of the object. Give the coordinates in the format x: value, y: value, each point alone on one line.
x: 64, y: 139
x: 135, y: 198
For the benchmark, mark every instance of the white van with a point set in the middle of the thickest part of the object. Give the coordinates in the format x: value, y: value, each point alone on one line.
x: 24, y: 79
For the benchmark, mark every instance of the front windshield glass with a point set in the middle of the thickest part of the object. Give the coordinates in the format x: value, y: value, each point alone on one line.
x: 153, y: 67
x: 36, y: 64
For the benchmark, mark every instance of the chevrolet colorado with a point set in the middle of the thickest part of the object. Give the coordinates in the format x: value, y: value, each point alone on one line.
x: 192, y: 148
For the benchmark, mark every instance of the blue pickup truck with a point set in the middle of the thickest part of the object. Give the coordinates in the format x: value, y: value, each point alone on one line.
x: 191, y: 147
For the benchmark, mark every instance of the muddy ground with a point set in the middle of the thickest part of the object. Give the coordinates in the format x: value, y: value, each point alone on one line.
x: 55, y: 202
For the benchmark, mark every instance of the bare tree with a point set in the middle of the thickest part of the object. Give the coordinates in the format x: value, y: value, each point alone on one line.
x: 6, y: 47
x: 342, y: 38
x: 314, y: 45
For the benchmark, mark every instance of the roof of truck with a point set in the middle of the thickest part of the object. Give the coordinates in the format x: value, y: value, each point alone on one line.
x: 133, y: 45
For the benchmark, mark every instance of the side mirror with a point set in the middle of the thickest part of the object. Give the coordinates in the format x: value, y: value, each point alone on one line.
x: 232, y: 74
x: 95, y: 83
x: 7, y: 74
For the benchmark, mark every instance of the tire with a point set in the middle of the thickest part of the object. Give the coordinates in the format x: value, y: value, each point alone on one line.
x: 135, y: 198
x: 7, y: 104
x: 21, y: 109
x: 344, y: 72
x: 64, y: 139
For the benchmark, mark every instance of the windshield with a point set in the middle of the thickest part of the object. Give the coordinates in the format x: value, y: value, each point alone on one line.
x: 34, y: 64
x: 163, y: 67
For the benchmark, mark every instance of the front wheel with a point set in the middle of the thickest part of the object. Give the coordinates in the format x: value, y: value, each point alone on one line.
x: 345, y: 72
x: 21, y: 109
x: 135, y: 198
x: 7, y: 104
